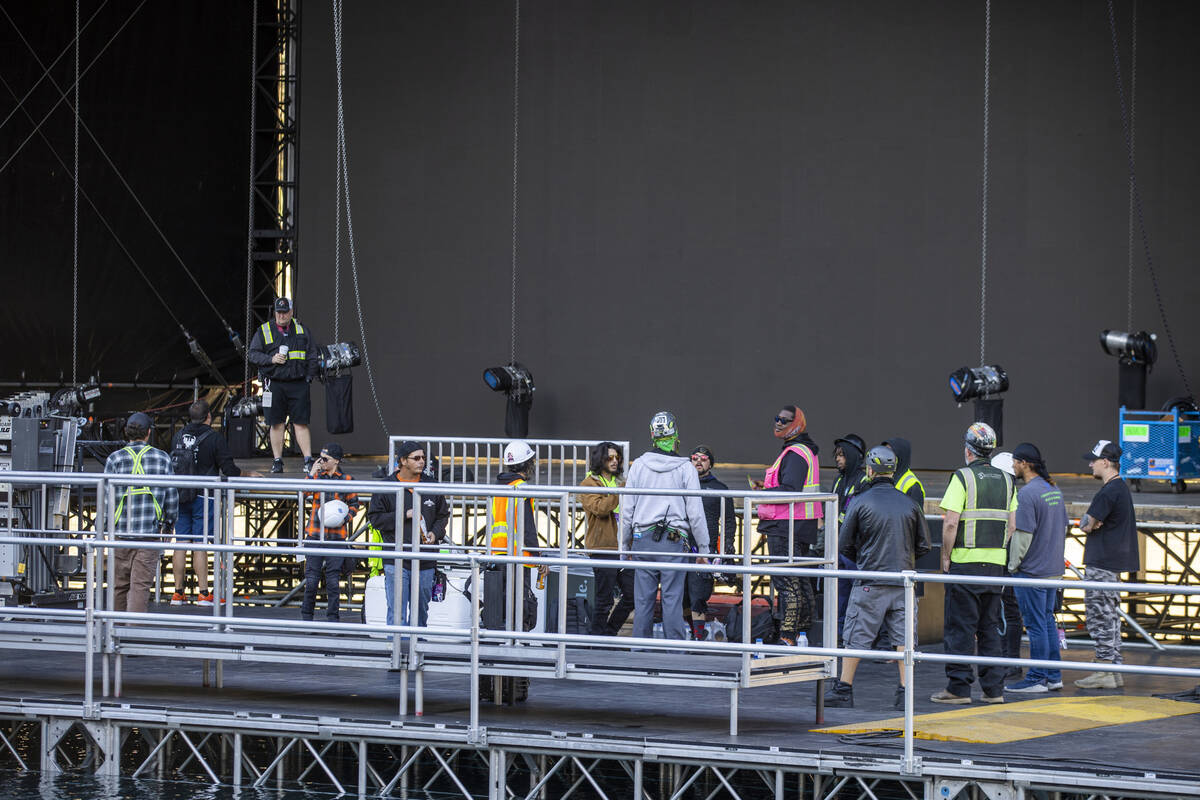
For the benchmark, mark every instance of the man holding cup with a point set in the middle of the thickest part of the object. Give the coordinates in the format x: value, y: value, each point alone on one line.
x: 284, y: 353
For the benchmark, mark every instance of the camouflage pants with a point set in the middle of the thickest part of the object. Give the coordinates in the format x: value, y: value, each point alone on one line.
x: 1103, y: 621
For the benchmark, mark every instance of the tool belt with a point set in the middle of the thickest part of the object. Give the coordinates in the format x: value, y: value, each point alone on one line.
x: 661, y: 529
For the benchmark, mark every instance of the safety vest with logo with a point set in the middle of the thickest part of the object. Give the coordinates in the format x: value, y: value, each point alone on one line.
x: 851, y: 490
x: 501, y: 527
x: 138, y: 469
x: 984, y: 519
x: 907, y: 481
x: 811, y: 484
x: 269, y: 336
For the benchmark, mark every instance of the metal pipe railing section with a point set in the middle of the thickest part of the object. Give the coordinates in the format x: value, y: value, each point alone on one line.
x: 106, y: 484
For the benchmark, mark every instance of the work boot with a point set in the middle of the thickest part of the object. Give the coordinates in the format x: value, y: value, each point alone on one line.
x: 1097, y: 680
x: 840, y: 695
x: 947, y: 697
x: 993, y: 700
x: 898, y: 699
x: 277, y: 466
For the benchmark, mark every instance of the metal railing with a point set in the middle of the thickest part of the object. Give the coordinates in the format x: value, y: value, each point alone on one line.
x: 102, y: 626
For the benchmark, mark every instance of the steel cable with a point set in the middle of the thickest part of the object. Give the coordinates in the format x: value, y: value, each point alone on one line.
x: 1132, y: 132
x: 63, y: 95
x: 515, y: 164
x: 343, y: 166
x: 75, y: 229
x: 987, y: 66
x: 250, y: 199
x: 1137, y: 203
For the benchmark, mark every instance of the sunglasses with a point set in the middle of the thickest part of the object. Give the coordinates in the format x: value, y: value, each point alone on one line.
x: 415, y: 458
x: 785, y: 420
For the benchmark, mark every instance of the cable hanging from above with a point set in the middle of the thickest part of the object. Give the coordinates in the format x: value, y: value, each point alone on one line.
x: 251, y: 191
x: 987, y: 67
x: 515, y: 164
x: 75, y: 218
x: 343, y: 191
x: 1132, y: 132
x: 1137, y: 202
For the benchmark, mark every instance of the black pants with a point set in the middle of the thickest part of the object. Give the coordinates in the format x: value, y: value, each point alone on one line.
x: 973, y: 624
x: 316, y: 568
x: 611, y: 612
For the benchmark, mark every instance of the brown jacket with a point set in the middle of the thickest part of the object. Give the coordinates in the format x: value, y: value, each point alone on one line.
x: 601, y: 521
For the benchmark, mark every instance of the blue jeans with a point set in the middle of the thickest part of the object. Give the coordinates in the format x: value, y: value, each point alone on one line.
x: 1037, y: 610
x: 424, y: 592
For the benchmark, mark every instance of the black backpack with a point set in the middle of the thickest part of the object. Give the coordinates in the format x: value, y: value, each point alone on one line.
x: 185, y: 460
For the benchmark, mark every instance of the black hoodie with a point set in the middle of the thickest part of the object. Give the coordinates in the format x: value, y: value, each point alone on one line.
x: 852, y: 478
x: 903, y: 450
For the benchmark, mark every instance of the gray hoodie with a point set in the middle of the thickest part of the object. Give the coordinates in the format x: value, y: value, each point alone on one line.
x: 658, y: 470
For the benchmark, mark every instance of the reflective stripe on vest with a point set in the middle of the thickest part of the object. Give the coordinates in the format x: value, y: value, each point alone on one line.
x: 500, y: 527
x: 268, y: 334
x: 907, y: 481
x: 130, y: 490
x: 982, y: 525
x: 811, y: 484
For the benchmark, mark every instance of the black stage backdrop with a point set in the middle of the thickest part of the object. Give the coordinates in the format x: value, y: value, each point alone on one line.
x: 729, y: 206
x: 168, y: 100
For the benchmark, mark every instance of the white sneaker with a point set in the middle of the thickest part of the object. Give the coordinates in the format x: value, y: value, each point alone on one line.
x: 1054, y: 685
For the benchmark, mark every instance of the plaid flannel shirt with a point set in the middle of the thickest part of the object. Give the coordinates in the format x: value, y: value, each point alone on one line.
x: 314, y: 530
x: 142, y: 508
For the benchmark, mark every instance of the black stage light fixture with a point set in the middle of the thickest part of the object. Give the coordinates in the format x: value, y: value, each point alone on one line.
x: 968, y: 383
x: 75, y: 398
x: 981, y: 384
x: 247, y: 407
x: 1136, y: 354
x: 333, y: 358
x: 516, y: 381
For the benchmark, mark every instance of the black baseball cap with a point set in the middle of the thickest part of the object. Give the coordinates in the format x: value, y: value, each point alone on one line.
x: 1104, y: 449
x: 334, y: 450
x: 1028, y: 453
x: 139, y: 419
x: 407, y: 448
x: 704, y: 449
x: 283, y: 305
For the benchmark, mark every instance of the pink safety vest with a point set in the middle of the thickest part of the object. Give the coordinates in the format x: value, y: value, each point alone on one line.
x: 811, y: 484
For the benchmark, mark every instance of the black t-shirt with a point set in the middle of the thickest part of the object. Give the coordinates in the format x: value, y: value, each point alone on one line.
x: 1114, y: 545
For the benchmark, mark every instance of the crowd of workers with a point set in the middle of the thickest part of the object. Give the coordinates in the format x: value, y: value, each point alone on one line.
x: 990, y: 528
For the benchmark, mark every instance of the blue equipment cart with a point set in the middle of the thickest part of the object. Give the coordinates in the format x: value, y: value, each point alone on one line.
x: 1160, y: 445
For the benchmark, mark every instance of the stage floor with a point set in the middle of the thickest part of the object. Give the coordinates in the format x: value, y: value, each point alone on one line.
x: 770, y: 716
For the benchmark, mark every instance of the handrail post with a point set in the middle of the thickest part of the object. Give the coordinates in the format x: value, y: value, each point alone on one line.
x: 910, y: 765
x: 89, y: 630
x: 476, y: 589
x: 560, y: 668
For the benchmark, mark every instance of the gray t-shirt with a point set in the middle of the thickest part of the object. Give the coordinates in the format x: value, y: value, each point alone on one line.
x: 1042, y: 512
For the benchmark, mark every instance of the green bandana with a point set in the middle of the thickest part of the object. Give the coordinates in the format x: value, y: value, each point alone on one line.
x: 667, y: 444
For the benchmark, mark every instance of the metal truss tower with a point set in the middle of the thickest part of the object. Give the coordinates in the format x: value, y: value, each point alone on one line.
x: 275, y: 185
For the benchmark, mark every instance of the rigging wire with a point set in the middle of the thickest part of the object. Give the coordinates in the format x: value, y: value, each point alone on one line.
x: 515, y: 164
x: 987, y: 67
x: 21, y: 102
x: 63, y: 95
x: 1137, y: 202
x: 253, y: 190
x: 75, y: 228
x: 344, y: 170
x: 1132, y: 132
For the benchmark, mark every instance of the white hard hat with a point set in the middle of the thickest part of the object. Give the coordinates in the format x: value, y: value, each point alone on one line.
x: 517, y: 453
x: 1004, y: 463
x: 334, y: 513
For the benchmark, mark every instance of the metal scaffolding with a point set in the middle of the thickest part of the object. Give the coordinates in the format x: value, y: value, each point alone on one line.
x: 274, y: 189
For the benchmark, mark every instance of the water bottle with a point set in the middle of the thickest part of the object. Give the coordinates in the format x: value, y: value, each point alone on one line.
x: 541, y: 581
x: 801, y: 639
x: 658, y: 631
x: 1062, y: 639
x: 438, y: 594
x: 758, y: 653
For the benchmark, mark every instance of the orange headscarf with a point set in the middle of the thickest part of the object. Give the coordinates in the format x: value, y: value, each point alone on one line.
x: 799, y: 424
